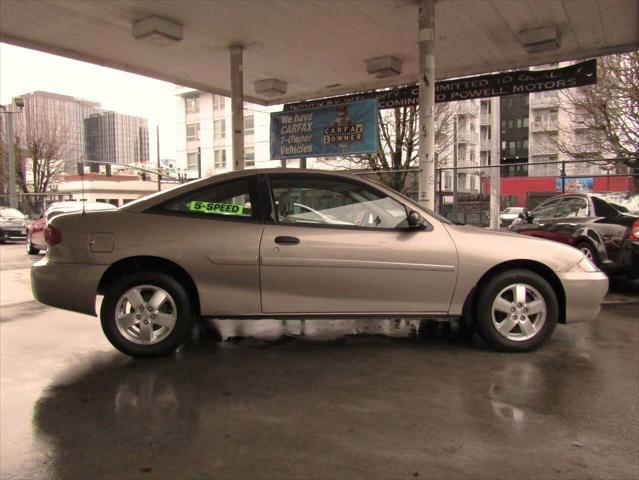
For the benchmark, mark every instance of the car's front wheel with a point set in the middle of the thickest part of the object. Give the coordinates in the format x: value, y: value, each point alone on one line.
x: 517, y: 311
x: 146, y: 314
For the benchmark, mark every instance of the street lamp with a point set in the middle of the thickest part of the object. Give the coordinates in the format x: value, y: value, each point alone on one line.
x: 13, y: 199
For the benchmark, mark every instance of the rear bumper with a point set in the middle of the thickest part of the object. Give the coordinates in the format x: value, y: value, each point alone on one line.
x: 627, y: 261
x: 65, y: 285
x: 13, y: 234
x: 584, y: 293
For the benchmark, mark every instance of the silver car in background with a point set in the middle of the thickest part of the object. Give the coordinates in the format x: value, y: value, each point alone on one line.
x: 235, y: 245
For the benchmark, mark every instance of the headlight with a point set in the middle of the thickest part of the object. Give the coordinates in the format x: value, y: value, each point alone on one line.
x: 585, y: 265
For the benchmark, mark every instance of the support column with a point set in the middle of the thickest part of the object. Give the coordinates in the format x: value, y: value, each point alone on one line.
x: 495, y: 171
x: 237, y: 107
x: 427, y: 103
x: 13, y: 199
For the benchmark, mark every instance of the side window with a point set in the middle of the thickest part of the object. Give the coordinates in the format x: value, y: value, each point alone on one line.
x: 234, y: 199
x: 571, y: 207
x: 324, y: 200
x: 545, y: 209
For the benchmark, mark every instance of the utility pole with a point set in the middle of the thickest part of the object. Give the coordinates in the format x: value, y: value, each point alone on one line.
x: 13, y: 196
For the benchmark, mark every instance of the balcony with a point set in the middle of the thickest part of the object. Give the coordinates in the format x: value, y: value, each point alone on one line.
x: 543, y: 148
x: 467, y: 137
x: 544, y: 100
x: 544, y: 126
x: 467, y: 108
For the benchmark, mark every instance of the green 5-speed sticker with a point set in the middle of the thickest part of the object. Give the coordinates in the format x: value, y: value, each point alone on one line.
x: 219, y: 208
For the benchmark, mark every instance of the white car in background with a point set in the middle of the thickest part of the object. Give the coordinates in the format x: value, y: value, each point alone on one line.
x: 508, y: 216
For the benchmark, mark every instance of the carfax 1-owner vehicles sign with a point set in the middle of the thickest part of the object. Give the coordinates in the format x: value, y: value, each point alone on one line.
x: 325, y: 131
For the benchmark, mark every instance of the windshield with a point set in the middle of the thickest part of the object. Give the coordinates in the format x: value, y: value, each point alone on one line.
x: 11, y: 213
x: 513, y: 210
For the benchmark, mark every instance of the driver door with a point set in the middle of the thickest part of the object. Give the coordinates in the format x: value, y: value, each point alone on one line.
x: 339, y: 245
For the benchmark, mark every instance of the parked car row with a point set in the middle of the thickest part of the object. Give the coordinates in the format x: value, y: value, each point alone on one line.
x: 605, y: 227
x: 304, y: 244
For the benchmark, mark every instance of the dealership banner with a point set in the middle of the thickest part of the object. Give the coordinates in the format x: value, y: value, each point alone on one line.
x: 326, y: 131
x: 483, y: 86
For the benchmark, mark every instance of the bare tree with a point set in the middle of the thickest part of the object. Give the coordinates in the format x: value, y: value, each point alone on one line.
x: 44, y: 158
x: 607, y: 114
x: 398, y: 151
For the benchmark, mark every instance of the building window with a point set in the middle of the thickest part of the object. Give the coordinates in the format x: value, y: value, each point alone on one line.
x: 249, y: 125
x: 219, y: 102
x: 193, y: 132
x: 220, y: 159
x: 219, y: 129
x: 249, y: 157
x: 472, y: 182
x: 192, y: 104
x: 485, y: 107
x: 447, y: 182
x: 191, y: 161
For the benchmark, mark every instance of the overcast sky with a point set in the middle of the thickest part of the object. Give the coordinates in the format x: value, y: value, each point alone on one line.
x: 24, y: 71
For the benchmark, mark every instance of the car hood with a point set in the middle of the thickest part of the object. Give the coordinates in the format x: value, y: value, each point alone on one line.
x: 478, y: 246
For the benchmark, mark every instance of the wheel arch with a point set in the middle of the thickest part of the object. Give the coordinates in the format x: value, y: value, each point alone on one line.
x: 470, y: 305
x: 592, y: 237
x: 150, y: 263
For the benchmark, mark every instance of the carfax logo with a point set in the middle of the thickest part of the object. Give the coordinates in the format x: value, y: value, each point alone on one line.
x: 343, y: 131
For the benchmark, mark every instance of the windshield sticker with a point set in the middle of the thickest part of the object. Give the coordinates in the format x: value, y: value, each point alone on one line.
x: 219, y: 208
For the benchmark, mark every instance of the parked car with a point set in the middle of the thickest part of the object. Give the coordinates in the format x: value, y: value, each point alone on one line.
x: 220, y: 247
x: 605, y: 227
x: 508, y: 215
x: 36, y: 231
x: 13, y: 224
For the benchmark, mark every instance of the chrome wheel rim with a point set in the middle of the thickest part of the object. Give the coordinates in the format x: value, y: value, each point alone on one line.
x: 145, y: 314
x: 586, y: 251
x: 519, y: 312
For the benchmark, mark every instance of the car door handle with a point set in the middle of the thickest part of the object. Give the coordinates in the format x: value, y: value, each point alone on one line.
x: 287, y: 240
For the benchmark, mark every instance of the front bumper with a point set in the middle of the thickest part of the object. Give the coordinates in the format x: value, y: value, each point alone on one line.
x: 69, y: 286
x: 584, y: 293
x: 12, y: 233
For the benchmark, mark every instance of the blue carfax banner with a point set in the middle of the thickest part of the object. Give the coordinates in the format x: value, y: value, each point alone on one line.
x: 326, y: 131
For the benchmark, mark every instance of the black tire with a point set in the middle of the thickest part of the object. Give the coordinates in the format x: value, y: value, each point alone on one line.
x: 31, y: 250
x: 177, y: 305
x: 529, y: 330
x: 589, y: 250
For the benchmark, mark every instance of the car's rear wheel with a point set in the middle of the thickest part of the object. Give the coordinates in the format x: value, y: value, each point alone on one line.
x: 517, y: 311
x: 146, y: 314
x: 31, y: 250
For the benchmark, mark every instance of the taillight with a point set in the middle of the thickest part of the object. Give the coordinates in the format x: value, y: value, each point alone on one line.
x: 52, y: 235
x: 634, y: 231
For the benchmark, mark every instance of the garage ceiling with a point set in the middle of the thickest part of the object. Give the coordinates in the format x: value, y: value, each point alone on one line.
x: 317, y: 47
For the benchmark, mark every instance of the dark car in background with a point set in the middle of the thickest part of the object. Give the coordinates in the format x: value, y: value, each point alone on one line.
x: 13, y: 224
x: 36, y: 231
x: 604, y: 226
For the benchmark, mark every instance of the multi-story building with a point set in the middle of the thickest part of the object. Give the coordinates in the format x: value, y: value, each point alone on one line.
x: 204, y: 136
x: 116, y: 138
x: 57, y: 119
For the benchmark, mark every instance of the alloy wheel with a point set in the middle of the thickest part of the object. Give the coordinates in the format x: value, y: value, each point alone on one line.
x: 145, y: 314
x: 519, y: 312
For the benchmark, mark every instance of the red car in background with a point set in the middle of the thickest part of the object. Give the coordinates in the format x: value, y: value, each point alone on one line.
x: 35, y: 233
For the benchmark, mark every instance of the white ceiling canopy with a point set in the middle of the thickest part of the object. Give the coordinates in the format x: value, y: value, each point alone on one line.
x: 316, y: 48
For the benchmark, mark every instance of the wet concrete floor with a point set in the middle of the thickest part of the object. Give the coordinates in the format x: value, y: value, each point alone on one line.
x: 315, y: 399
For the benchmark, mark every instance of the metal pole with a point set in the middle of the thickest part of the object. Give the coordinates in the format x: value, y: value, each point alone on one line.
x: 427, y: 103
x: 455, y: 153
x: 13, y: 198
x: 237, y: 107
x: 563, y: 177
x: 157, y: 134
x: 495, y: 172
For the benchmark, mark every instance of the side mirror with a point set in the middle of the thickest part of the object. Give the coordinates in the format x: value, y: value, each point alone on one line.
x: 415, y: 220
x: 527, y: 215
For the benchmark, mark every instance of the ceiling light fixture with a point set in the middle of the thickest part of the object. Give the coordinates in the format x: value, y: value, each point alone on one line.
x: 542, y: 39
x: 158, y: 31
x: 270, y: 87
x: 384, y: 67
